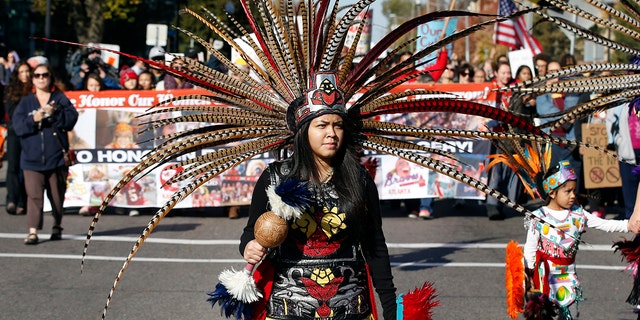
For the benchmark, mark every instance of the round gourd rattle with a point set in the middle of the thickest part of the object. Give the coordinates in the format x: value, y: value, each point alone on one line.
x: 270, y: 230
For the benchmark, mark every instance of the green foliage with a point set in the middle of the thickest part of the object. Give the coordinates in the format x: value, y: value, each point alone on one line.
x: 398, y: 12
x: 553, y: 40
x: 401, y: 9
x: 111, y: 9
x: 217, y: 7
x: 617, y: 56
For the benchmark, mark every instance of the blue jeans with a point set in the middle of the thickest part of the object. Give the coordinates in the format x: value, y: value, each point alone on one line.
x: 426, y: 204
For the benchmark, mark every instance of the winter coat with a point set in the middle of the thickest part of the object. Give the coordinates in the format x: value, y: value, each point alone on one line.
x: 41, y: 150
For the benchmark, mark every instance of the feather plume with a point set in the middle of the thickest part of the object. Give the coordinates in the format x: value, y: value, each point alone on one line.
x: 539, y: 307
x: 630, y: 251
x: 514, y: 279
x: 418, y: 303
x: 240, y: 285
x: 229, y: 307
x: 290, y: 198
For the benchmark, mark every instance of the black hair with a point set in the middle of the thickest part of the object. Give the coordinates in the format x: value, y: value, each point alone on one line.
x: 564, y: 60
x: 348, y: 172
x: 542, y: 56
x: 16, y: 89
x: 53, y: 85
x: 522, y: 67
x: 398, y: 56
x: 95, y: 77
x: 468, y: 69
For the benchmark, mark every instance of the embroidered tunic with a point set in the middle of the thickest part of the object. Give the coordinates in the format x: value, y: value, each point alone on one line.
x: 551, y: 251
x: 320, y: 270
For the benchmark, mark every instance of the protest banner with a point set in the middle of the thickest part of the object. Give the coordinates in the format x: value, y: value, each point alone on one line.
x: 600, y: 170
x: 112, y: 136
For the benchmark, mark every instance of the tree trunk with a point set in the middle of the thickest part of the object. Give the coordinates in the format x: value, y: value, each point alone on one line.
x: 88, y: 20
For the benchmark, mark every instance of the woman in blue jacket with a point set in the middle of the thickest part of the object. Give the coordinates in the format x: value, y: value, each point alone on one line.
x: 42, y: 120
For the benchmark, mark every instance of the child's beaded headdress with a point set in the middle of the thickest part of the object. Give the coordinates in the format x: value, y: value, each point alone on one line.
x: 565, y: 173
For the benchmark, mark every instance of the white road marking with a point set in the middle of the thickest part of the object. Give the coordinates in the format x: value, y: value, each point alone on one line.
x: 592, y: 247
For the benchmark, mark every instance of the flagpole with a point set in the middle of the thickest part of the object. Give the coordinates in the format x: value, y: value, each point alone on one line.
x: 446, y: 20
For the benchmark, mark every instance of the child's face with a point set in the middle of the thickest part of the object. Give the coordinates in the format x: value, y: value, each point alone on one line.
x: 564, y: 196
x: 144, y: 80
x: 131, y: 84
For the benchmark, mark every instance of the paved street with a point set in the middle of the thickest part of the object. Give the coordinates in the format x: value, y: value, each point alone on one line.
x: 460, y: 251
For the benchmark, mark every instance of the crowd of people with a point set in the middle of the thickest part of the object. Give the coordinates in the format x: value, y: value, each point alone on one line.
x: 92, y: 73
x: 37, y: 115
x: 341, y: 230
x: 86, y: 70
x: 536, y: 108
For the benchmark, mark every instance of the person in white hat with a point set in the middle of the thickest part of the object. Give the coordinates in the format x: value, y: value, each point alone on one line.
x: 157, y: 54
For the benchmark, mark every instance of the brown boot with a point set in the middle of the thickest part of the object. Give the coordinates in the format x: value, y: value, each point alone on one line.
x: 234, y: 212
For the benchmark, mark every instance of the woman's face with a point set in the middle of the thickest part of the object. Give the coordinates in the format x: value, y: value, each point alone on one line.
x: 23, y: 73
x: 464, y: 76
x: 479, y: 76
x: 524, y: 74
x: 503, y: 75
x: 325, y: 136
x: 177, y: 64
x: 41, y: 78
x: 93, y: 85
x: 144, y: 80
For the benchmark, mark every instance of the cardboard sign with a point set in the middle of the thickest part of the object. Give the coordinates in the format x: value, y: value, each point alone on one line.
x: 599, y: 170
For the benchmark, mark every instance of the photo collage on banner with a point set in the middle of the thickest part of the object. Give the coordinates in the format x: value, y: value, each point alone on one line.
x: 113, y: 135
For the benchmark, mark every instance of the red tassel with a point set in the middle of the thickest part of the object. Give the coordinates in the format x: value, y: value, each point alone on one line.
x: 417, y: 304
x: 372, y: 294
x: 371, y: 164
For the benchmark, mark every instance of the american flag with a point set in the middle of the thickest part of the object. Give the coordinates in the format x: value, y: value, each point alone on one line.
x: 513, y: 33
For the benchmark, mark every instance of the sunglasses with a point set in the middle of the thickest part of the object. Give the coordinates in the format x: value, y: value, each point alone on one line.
x: 464, y: 74
x: 41, y: 75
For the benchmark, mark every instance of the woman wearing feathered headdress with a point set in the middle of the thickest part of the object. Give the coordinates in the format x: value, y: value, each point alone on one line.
x: 320, y: 267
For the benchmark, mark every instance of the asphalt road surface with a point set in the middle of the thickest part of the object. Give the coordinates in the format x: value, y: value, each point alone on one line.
x: 460, y: 251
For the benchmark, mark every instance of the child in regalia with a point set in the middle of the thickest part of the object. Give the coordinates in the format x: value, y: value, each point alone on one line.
x: 553, y: 238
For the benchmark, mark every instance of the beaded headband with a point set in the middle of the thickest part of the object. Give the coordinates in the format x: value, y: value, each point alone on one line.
x: 563, y: 175
x: 323, y: 97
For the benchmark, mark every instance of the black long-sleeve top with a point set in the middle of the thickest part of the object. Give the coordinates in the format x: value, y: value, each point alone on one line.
x: 377, y: 256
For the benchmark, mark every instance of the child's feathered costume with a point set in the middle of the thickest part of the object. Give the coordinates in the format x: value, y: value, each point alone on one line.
x: 297, y: 59
x: 611, y: 83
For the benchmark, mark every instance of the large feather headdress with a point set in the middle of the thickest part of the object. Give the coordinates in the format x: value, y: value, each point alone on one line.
x: 300, y: 71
